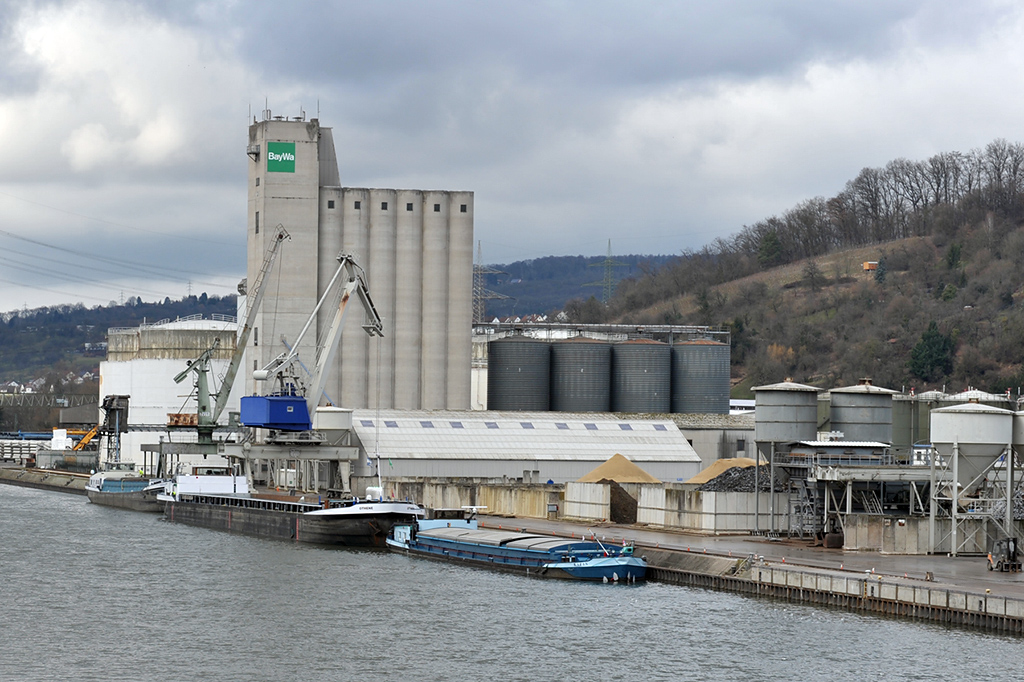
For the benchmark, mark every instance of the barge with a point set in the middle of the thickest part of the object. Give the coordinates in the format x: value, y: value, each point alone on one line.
x: 225, y: 503
x: 455, y: 537
x: 122, y: 487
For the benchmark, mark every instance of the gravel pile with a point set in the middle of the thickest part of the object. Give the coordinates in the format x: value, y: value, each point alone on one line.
x: 741, y: 480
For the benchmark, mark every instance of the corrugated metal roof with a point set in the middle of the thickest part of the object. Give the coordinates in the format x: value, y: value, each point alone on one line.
x: 554, y: 436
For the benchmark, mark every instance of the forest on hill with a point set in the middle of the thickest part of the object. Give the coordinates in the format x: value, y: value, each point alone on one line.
x: 54, y: 342
x: 543, y: 285
x: 943, y: 307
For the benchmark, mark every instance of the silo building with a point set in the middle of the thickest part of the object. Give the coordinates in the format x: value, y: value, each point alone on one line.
x: 415, y: 246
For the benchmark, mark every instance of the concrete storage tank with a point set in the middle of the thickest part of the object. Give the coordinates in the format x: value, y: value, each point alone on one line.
x: 982, y: 434
x: 700, y: 377
x: 581, y: 370
x: 641, y: 377
x: 862, y: 412
x: 785, y: 413
x: 518, y: 374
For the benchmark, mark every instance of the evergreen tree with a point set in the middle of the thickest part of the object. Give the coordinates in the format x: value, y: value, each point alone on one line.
x: 932, y: 357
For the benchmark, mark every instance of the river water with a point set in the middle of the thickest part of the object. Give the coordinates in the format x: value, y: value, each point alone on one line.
x: 92, y: 593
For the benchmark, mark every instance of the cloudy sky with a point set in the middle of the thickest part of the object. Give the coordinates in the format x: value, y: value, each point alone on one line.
x: 658, y: 125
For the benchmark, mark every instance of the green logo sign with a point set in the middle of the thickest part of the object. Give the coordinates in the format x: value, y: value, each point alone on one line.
x: 280, y: 157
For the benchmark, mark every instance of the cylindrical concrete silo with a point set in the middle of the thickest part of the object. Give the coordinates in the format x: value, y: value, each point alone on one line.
x: 460, y: 298
x: 434, y: 377
x: 785, y: 412
x: 408, y: 317
x: 581, y: 375
x: 862, y: 412
x: 641, y: 377
x: 380, y: 272
x: 981, y: 433
x: 354, y: 348
x: 700, y: 377
x: 518, y: 374
x: 330, y: 241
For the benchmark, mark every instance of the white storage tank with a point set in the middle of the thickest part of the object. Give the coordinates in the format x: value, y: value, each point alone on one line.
x: 982, y: 433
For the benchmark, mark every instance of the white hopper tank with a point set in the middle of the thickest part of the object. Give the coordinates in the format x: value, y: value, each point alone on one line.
x: 982, y: 433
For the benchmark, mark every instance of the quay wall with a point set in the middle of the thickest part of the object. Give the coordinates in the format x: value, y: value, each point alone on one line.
x: 45, y: 479
x: 883, y: 595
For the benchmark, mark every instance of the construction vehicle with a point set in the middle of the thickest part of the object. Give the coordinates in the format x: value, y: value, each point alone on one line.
x: 1003, y: 556
x: 289, y: 406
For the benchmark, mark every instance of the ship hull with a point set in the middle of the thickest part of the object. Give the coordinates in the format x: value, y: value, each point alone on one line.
x: 139, y: 500
x: 368, y: 530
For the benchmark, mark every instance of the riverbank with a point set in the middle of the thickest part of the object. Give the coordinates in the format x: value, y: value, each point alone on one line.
x: 951, y: 590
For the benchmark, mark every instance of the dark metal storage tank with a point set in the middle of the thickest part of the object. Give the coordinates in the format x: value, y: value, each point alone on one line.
x: 862, y: 412
x: 518, y: 374
x: 700, y: 377
x: 641, y: 377
x: 785, y: 412
x: 581, y: 370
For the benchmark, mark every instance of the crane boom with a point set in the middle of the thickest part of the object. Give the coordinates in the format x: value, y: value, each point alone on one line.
x: 354, y: 284
x: 326, y: 352
x: 250, y: 315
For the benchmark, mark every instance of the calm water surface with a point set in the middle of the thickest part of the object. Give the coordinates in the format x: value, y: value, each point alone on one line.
x: 91, y: 593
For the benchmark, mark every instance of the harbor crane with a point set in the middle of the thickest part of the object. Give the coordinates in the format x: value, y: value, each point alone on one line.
x: 210, y: 407
x: 291, y: 404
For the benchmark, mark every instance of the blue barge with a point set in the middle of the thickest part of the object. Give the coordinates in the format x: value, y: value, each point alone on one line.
x: 460, y: 540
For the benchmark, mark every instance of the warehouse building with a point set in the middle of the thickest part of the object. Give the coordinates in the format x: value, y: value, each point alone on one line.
x: 534, y: 447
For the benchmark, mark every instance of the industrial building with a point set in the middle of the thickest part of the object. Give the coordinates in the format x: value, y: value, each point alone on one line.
x: 142, y: 362
x: 532, y: 447
x: 415, y: 246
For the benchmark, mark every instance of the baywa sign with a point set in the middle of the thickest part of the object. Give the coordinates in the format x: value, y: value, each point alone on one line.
x: 281, y: 157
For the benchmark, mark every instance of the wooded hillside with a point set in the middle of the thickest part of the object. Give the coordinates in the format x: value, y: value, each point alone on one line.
x: 943, y: 307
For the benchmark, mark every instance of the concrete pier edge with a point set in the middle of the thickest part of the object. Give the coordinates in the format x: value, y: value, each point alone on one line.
x: 885, y: 595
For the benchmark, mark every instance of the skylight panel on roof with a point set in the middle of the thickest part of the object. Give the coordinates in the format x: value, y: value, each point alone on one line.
x: 526, y: 425
x: 391, y: 424
x: 625, y: 427
x: 562, y: 426
x: 366, y: 422
x: 491, y: 425
x: 591, y: 427
x: 660, y: 427
x: 427, y: 424
x: 456, y: 425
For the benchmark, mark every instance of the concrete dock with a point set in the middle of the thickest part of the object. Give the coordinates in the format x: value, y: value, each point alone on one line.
x: 953, y: 590
x: 45, y: 479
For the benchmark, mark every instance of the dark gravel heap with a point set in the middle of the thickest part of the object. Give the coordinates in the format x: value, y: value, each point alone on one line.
x: 741, y: 480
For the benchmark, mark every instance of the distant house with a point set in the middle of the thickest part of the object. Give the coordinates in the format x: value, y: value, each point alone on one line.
x: 871, y: 265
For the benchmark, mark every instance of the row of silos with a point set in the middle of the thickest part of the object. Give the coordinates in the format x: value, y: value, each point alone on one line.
x: 788, y: 412
x: 980, y: 434
x: 588, y: 375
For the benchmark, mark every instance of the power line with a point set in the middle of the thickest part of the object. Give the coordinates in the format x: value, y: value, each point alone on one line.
x: 172, y: 235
